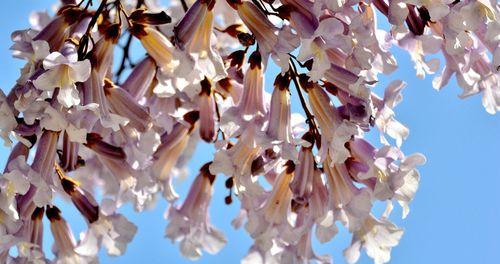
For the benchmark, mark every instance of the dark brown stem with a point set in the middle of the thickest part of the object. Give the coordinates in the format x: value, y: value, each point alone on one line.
x: 302, y: 65
x: 264, y: 10
x: 82, y: 48
x: 184, y: 5
x: 217, y: 112
x: 414, y: 23
x: 126, y: 52
x: 80, y: 4
x: 310, y: 117
x: 271, y: 5
x: 382, y: 6
x: 89, y: 3
x: 125, y: 58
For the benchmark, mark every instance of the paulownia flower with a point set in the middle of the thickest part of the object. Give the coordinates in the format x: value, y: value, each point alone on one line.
x: 171, y: 147
x: 63, y: 73
x: 251, y: 106
x: 377, y: 237
x: 158, y: 47
x: 190, y: 224
x: 64, y: 241
x: 194, y: 34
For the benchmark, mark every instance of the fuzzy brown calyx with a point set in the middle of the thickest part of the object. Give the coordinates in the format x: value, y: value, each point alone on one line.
x: 282, y: 81
x: 142, y: 17
x: 255, y: 60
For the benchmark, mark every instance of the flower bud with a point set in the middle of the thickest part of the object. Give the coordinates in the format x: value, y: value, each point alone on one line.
x: 172, y: 145
x: 278, y: 204
x: 302, y: 182
x: 45, y: 156
x: 206, y: 105
x: 64, y: 240
x: 280, y: 113
x: 252, y: 100
x: 97, y: 144
x: 69, y: 157
x: 157, y: 46
x: 259, y: 24
x: 123, y: 104
x: 82, y: 200
x: 194, y: 30
x: 141, y: 17
x: 323, y: 110
x: 33, y: 231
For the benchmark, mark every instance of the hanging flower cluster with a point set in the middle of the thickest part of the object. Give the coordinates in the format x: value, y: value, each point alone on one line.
x: 89, y: 125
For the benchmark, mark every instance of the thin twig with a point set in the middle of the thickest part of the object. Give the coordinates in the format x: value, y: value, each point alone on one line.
x: 293, y: 70
x: 126, y: 48
x: 217, y: 112
x: 82, y: 48
x: 310, y: 117
x: 184, y: 5
x: 264, y: 9
x: 81, y: 2
x: 89, y: 4
x: 302, y: 65
x: 125, y: 57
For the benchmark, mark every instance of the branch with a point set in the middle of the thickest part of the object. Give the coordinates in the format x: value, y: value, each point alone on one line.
x: 126, y: 48
x: 218, y: 118
x: 264, y: 10
x: 310, y: 117
x: 125, y: 58
x: 184, y: 5
x: 82, y: 48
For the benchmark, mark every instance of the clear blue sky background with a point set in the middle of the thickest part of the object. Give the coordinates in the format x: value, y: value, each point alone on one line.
x: 454, y: 218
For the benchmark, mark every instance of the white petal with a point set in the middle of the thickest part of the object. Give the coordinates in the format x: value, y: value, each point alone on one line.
x: 190, y: 249
x: 114, y: 122
x: 412, y: 161
x: 43, y: 194
x: 80, y: 71
x: 20, y: 181
x: 352, y: 253
x: 89, y: 244
x: 405, y: 194
x: 53, y: 120
x: 53, y: 60
x: 326, y: 228
x: 438, y: 10
x: 41, y: 49
x: 48, y: 80
x: 361, y: 204
x: 164, y: 89
x: 398, y: 11
x: 253, y: 257
x: 76, y: 135
x: 214, y: 241
x: 68, y: 96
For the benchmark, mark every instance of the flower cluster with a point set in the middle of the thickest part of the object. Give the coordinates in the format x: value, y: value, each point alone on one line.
x: 81, y: 130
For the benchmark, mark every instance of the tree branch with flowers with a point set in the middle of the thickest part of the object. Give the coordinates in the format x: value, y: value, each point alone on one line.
x: 88, y: 122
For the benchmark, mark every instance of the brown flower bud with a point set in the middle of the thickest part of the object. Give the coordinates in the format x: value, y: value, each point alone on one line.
x: 255, y: 60
x: 237, y: 58
x: 142, y: 17
x: 246, y: 39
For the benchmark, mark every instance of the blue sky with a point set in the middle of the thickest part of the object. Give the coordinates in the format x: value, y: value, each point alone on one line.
x: 454, y: 218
